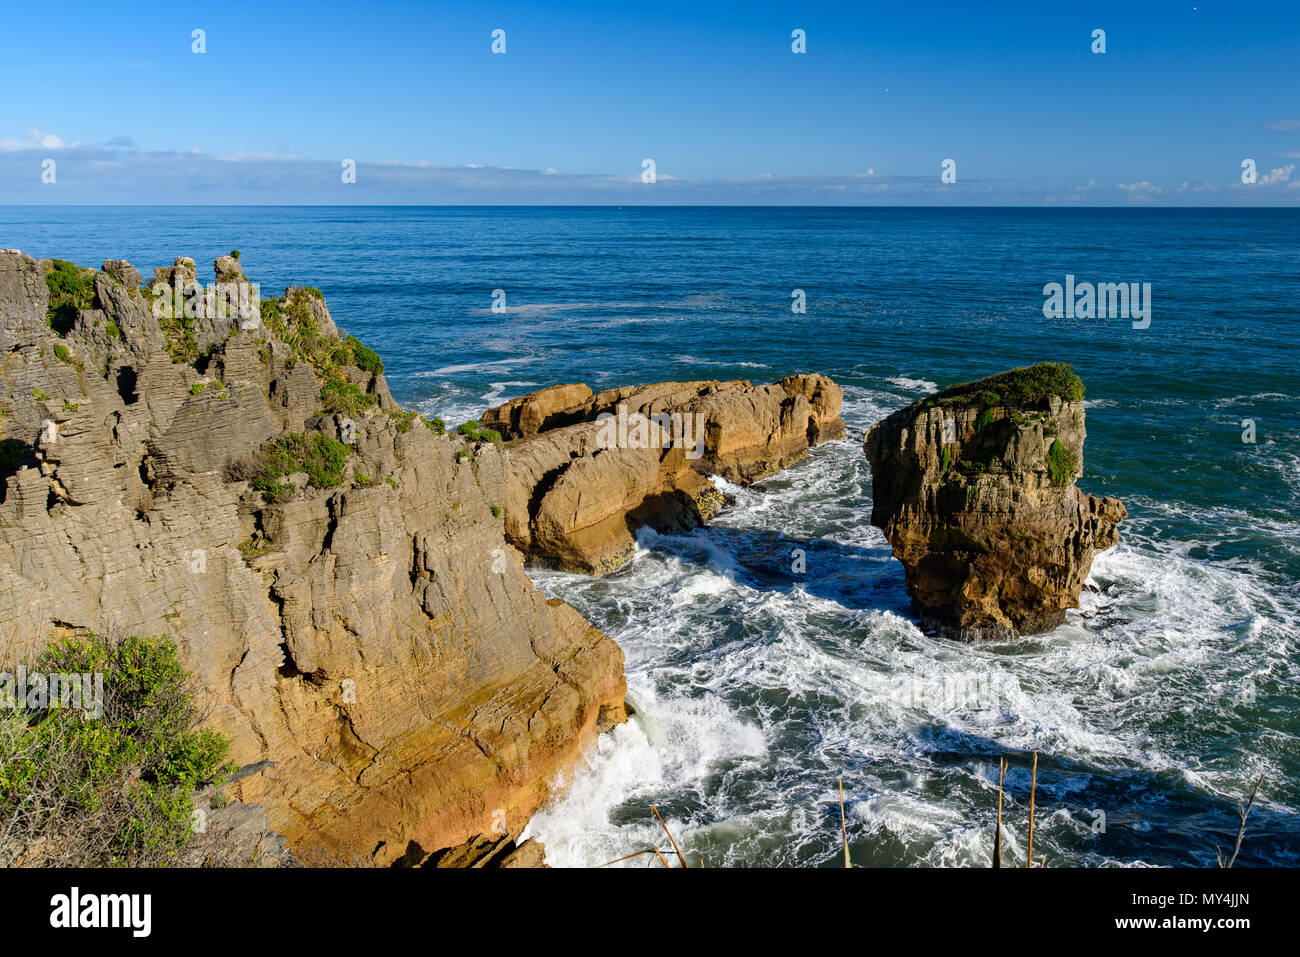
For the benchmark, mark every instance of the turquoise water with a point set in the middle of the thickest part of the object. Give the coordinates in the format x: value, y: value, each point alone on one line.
x: 1158, y: 703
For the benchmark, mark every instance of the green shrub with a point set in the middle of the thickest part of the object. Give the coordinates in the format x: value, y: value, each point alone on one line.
x: 197, y: 388
x: 82, y: 790
x: 270, y: 310
x: 436, y: 426
x: 314, y: 453
x: 61, y: 353
x: 475, y: 432
x: 402, y: 419
x: 366, y: 359
x: 985, y: 417
x: 1061, y: 463
x: 182, y: 345
x: 1028, y: 385
x: 113, y: 331
x: 40, y: 395
x: 234, y: 254
x: 496, y: 511
x: 341, y: 396
x: 945, y: 459
x: 71, y: 290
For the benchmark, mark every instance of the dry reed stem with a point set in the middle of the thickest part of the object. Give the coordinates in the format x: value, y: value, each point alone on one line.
x: 1243, y: 813
x: 1033, y: 787
x: 680, y: 855
x: 628, y: 857
x: 997, y: 836
x: 844, y: 828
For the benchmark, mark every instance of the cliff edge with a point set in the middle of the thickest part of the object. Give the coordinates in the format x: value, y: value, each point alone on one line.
x: 232, y: 472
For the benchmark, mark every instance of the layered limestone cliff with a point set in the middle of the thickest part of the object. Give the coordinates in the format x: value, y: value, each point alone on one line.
x: 975, y: 490
x: 335, y: 571
x: 587, y: 470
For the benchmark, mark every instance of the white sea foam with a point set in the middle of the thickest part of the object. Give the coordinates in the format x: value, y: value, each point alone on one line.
x: 494, y: 365
x: 757, y: 688
x: 494, y: 395
x: 913, y: 385
x: 833, y: 678
x: 696, y: 361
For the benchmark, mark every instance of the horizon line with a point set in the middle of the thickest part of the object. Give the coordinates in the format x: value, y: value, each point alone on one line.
x: 1053, y: 207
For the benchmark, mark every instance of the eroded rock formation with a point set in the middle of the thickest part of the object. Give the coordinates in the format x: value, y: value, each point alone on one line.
x: 586, y: 471
x: 974, y: 489
x: 333, y: 569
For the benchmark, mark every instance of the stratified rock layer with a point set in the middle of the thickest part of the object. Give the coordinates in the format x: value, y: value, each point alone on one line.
x: 974, y: 489
x: 376, y: 638
x: 581, y: 483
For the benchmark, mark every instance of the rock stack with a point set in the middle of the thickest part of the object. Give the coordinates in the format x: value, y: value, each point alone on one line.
x: 974, y: 488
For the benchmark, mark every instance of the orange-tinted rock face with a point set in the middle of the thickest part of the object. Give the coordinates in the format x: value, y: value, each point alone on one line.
x: 638, y: 456
x: 974, y: 489
x: 377, y: 639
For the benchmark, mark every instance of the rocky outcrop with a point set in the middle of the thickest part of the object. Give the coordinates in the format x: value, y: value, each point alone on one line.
x: 974, y: 488
x: 334, y: 569
x: 587, y: 470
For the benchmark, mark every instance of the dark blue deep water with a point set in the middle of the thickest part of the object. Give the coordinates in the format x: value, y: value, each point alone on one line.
x: 1153, y: 709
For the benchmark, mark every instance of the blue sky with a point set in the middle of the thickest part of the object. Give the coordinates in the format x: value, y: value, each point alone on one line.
x: 1012, y: 92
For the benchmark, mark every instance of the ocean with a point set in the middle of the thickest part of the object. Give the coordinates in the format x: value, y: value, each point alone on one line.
x: 1153, y: 709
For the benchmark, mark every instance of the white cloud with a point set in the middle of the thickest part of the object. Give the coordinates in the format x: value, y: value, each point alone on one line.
x: 1141, y: 191
x: 1280, y: 175
x: 33, y: 139
x: 119, y: 172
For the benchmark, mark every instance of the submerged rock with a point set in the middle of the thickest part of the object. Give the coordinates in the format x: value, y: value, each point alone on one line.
x: 586, y: 471
x: 974, y: 489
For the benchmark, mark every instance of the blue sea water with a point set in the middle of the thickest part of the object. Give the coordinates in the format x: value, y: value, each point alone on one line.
x: 1153, y: 709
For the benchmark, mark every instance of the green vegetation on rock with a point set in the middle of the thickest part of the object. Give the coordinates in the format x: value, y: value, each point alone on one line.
x: 319, y: 456
x: 1061, y: 463
x: 402, y: 418
x: 182, y: 345
x: 1028, y: 385
x: 475, y: 432
x: 367, y: 359
x: 88, y: 789
x: 341, y: 396
x: 291, y: 320
x: 71, y: 289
